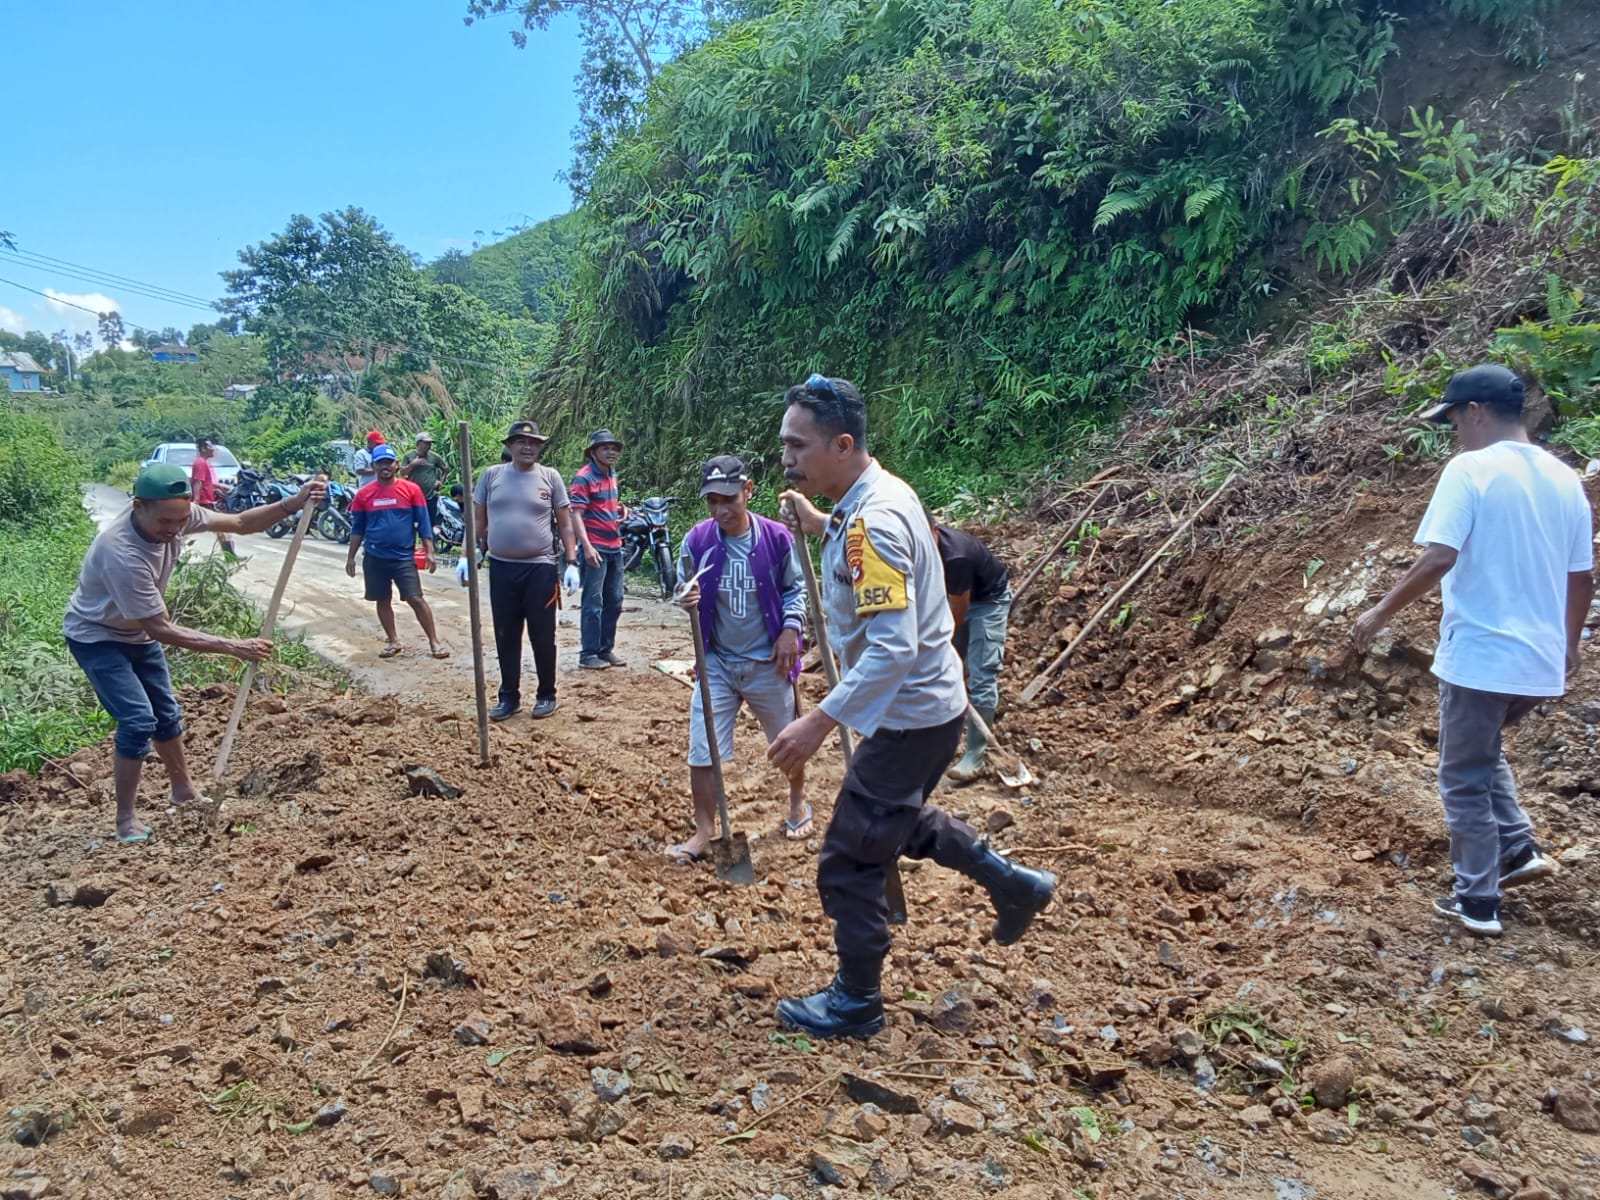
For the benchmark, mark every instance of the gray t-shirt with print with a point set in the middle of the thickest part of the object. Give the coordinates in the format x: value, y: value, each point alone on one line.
x: 124, y: 581
x: 520, y: 506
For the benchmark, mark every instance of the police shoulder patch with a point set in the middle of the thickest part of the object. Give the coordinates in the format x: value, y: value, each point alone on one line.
x: 878, y: 586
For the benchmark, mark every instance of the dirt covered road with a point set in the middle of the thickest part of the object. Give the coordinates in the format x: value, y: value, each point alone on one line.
x: 345, y: 989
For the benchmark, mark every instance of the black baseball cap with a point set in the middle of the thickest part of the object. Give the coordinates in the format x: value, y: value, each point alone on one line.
x: 603, y: 437
x: 1489, y: 384
x: 525, y: 429
x: 723, y: 475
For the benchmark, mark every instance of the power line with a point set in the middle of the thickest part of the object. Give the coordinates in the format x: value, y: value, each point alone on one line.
x: 47, y: 295
x: 117, y: 285
x: 111, y: 275
x: 152, y: 292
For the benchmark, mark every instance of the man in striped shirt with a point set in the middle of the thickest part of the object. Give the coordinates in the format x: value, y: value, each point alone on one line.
x: 594, y: 498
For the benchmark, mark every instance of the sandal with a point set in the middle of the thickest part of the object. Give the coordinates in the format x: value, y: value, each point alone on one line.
x: 389, y: 652
x: 799, y: 831
x: 143, y: 835
x: 440, y: 652
x: 682, y: 855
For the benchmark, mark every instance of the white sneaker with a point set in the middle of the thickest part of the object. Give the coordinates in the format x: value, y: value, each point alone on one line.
x: 1530, y: 864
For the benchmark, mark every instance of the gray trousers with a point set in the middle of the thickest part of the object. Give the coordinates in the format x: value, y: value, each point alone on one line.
x: 1487, y: 825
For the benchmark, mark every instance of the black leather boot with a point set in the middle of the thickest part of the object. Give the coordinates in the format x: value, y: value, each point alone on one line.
x: 850, y: 1006
x: 1018, y: 893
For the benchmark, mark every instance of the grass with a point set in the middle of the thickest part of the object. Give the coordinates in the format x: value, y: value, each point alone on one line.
x: 47, y: 709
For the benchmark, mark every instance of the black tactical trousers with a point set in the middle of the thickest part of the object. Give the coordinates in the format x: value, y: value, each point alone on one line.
x: 881, y: 814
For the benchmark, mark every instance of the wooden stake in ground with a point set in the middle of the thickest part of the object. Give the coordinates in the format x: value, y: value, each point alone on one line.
x: 469, y: 547
x: 1066, y: 536
x: 268, y: 626
x: 1031, y: 692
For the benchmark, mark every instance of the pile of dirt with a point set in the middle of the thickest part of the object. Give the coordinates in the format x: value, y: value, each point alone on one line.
x: 339, y: 987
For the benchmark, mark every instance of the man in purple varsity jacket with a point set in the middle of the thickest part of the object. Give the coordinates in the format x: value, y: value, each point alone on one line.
x: 739, y: 570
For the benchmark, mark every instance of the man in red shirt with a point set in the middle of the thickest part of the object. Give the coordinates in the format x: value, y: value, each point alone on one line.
x: 203, y: 483
x: 594, y: 498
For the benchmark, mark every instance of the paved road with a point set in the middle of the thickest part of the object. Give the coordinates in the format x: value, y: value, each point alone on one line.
x: 325, y: 606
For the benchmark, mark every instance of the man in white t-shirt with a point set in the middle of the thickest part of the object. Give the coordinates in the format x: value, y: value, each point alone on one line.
x: 1508, y: 537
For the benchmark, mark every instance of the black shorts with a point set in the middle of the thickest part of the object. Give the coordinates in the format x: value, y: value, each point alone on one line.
x: 379, y: 573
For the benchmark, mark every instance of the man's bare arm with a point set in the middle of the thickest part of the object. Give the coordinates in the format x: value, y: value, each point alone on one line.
x: 161, y: 628
x: 1580, y: 594
x: 1434, y: 564
x: 265, y: 516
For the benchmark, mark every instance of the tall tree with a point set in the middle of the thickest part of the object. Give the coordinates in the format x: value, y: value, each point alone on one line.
x: 330, y: 299
x: 112, y: 331
x: 625, y: 43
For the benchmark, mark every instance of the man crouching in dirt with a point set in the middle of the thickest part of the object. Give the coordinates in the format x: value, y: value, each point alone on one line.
x: 117, y: 622
x: 884, y: 598
x: 1507, y: 537
x: 739, y: 570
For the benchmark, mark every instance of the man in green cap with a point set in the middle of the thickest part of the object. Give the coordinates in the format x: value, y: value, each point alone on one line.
x: 117, y: 622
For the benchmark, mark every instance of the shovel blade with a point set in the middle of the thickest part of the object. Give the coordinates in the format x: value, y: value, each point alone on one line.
x: 1018, y: 779
x: 730, y: 858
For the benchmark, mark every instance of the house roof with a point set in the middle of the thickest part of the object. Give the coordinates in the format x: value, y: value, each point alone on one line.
x: 20, y: 361
x: 174, y: 348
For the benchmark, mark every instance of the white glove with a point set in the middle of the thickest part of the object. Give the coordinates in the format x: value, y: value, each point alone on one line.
x: 569, y: 580
x: 461, y: 570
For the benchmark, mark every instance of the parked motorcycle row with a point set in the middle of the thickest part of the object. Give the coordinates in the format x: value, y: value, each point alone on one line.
x: 646, y: 538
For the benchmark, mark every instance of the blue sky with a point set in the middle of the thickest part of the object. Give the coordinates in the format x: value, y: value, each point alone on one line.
x: 161, y: 138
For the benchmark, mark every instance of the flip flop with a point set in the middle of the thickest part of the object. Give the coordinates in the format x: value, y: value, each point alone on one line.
x: 682, y: 855
x: 136, y: 837
x: 792, y: 829
x: 440, y: 652
x: 389, y: 652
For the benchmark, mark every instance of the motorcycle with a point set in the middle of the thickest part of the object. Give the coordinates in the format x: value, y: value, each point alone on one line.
x: 332, y: 521
x: 249, y: 491
x: 449, y: 530
x: 647, y: 543
x: 274, y: 490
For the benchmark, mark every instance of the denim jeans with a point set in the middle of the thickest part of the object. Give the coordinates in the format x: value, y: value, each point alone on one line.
x: 1487, y: 823
x: 985, y: 630
x: 602, y: 603
x: 134, y: 687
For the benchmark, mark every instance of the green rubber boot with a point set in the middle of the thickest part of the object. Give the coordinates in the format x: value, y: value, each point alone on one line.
x: 973, y: 761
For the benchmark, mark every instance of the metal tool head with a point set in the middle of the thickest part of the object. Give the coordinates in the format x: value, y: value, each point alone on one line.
x: 1018, y: 779
x: 730, y: 858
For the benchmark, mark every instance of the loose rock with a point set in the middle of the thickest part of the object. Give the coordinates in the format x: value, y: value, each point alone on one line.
x: 1331, y: 1082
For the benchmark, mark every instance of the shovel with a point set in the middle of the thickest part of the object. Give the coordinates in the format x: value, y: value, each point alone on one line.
x: 1019, y: 776
x: 730, y: 853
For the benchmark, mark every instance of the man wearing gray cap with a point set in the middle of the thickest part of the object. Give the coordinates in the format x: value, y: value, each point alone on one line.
x: 1508, y: 539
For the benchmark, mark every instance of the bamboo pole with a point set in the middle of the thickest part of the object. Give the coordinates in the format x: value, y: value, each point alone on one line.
x: 1031, y: 692
x: 469, y: 547
x: 1066, y: 536
x: 268, y: 626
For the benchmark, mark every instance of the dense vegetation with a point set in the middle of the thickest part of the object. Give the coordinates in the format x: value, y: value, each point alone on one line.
x: 994, y: 214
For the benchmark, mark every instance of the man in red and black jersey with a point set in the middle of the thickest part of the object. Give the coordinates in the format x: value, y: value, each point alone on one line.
x: 387, y: 516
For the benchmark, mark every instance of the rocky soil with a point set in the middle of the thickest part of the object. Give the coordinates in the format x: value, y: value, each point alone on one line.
x: 360, y: 978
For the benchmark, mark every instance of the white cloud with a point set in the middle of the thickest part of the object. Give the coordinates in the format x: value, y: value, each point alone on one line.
x: 62, y: 310
x: 12, y: 321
